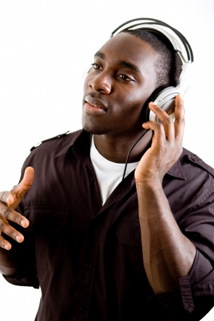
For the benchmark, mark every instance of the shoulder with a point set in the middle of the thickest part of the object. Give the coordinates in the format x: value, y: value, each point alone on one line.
x: 190, y: 166
x: 55, y: 146
x: 195, y: 162
x: 66, y: 138
x: 189, y: 184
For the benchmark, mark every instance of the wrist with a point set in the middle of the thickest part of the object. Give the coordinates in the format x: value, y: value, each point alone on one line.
x: 152, y: 181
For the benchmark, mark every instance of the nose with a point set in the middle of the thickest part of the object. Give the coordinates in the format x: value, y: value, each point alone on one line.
x: 100, y: 82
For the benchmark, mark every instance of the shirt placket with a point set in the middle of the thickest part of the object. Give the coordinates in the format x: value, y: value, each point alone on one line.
x: 88, y: 272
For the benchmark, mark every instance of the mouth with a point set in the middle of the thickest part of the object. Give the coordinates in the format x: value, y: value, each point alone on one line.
x: 94, y: 105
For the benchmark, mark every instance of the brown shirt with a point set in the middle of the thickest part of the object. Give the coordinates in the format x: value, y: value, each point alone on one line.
x: 87, y: 258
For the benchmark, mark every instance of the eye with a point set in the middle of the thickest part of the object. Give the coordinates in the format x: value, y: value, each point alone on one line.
x: 95, y: 66
x: 125, y: 78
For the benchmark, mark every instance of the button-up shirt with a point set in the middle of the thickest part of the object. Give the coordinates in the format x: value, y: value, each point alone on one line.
x: 87, y: 257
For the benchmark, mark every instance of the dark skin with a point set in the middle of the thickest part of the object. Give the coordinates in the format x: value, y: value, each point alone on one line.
x: 117, y: 86
x: 120, y: 86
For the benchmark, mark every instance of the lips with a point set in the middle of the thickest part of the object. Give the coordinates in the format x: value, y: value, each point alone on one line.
x: 95, y: 102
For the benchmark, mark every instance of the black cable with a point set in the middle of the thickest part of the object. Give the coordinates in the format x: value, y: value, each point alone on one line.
x: 127, y: 158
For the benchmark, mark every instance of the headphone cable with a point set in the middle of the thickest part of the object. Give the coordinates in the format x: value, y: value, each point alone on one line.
x: 128, y: 155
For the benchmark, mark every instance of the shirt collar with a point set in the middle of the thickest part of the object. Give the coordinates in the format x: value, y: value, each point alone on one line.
x: 73, y: 138
x: 80, y: 140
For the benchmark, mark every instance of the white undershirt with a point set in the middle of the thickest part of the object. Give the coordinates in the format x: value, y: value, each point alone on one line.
x: 109, y: 174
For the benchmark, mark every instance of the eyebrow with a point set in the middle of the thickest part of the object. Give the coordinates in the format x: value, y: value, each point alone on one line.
x: 100, y: 55
x: 129, y: 65
x: 122, y: 63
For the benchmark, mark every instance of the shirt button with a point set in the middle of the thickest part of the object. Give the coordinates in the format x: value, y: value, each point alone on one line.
x: 88, y: 265
x: 83, y: 309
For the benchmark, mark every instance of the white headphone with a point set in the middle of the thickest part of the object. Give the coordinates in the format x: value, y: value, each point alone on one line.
x: 165, y: 98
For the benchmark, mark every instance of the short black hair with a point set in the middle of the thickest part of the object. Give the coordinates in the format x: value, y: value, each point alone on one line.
x: 169, y: 65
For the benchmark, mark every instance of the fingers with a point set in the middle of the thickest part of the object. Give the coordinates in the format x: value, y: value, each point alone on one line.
x: 179, y: 117
x: 8, y: 214
x: 6, y: 197
x: 8, y: 202
x: 163, y: 130
x: 26, y: 182
x: 15, y: 196
x: 8, y: 230
x: 172, y: 128
x: 158, y: 129
x: 4, y: 243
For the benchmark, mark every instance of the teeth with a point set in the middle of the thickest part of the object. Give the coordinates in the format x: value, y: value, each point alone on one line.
x: 91, y: 104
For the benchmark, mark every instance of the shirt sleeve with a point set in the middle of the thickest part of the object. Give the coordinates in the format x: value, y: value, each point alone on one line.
x: 24, y: 253
x: 26, y: 275
x: 195, y: 296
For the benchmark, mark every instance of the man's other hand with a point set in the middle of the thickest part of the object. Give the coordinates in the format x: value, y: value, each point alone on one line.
x: 8, y: 203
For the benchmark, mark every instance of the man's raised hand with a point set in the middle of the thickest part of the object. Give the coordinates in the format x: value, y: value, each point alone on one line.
x: 166, y: 145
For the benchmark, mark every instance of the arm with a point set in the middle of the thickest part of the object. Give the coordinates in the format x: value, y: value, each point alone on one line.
x: 168, y: 254
x: 8, y: 202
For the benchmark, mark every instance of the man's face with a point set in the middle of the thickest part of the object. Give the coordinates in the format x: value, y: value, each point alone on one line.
x: 121, y: 79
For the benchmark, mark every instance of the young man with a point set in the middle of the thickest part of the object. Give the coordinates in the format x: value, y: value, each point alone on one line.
x: 103, y: 248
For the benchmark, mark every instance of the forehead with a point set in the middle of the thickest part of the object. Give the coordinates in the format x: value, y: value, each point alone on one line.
x: 130, y: 48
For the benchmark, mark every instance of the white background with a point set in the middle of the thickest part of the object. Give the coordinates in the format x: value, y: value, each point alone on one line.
x: 45, y: 47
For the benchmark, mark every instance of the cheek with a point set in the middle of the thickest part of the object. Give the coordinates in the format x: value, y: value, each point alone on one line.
x: 133, y: 103
x: 132, y: 106
x: 129, y: 114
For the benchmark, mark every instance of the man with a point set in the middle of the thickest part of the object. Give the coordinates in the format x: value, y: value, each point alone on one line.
x: 105, y: 249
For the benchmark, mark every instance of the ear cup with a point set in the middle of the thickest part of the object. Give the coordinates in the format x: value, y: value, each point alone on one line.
x: 166, y: 101
x: 145, y: 110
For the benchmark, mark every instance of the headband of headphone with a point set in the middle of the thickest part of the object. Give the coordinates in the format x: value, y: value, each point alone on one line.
x: 181, y: 47
x: 174, y: 36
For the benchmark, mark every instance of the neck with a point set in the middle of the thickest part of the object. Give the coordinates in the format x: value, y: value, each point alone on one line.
x: 117, y: 149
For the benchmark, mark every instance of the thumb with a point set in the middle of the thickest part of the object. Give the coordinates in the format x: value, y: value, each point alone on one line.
x: 19, y: 190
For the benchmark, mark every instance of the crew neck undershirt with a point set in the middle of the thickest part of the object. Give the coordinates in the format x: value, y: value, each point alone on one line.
x: 109, y: 174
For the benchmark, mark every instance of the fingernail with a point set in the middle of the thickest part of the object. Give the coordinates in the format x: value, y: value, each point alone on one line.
x: 151, y: 104
x: 19, y: 238
x: 6, y: 246
x: 24, y: 223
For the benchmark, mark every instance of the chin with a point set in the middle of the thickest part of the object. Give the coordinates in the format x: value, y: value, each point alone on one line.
x: 94, y: 131
x: 95, y: 128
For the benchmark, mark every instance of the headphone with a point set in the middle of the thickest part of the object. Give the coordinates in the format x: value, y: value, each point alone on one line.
x: 164, y: 98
